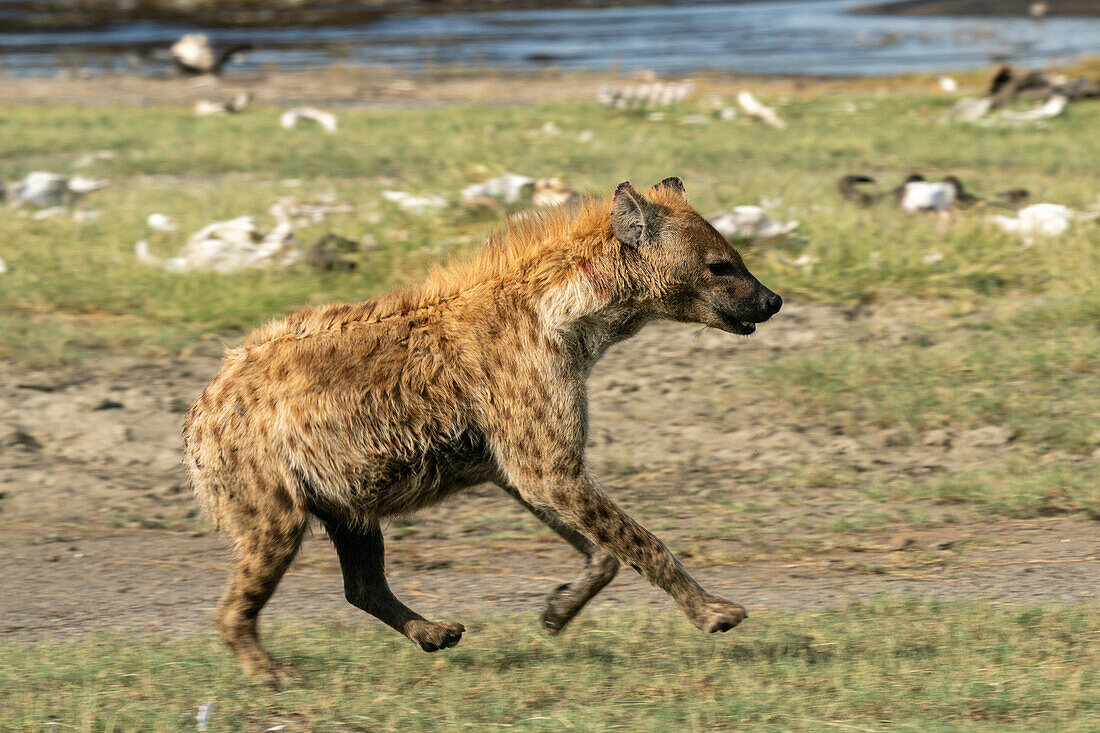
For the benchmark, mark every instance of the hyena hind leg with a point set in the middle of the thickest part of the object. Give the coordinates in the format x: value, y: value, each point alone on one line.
x: 362, y: 560
x: 263, y: 551
x: 600, y: 568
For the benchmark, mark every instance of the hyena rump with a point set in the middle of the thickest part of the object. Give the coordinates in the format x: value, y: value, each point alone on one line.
x: 357, y: 412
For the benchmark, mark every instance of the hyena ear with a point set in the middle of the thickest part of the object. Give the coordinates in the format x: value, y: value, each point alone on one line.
x: 633, y: 219
x: 673, y: 184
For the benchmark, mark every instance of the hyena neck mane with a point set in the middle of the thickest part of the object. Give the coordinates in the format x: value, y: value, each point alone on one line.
x: 563, y: 265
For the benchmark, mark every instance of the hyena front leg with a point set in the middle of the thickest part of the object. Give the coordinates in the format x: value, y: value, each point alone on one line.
x: 362, y: 561
x: 549, y: 473
x: 600, y: 568
x: 583, y: 505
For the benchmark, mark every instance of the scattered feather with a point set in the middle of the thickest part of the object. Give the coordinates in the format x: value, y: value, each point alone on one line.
x: 231, y: 246
x: 751, y: 224
x: 1040, y: 220
x: 757, y: 110
x: 1053, y: 107
x: 413, y: 203
x: 327, y: 120
x: 161, y: 222
x: 51, y: 189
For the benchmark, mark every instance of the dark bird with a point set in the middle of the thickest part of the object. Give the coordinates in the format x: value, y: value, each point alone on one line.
x: 1014, y: 198
x: 963, y: 198
x: 194, y: 55
x: 1001, y: 80
x: 849, y: 188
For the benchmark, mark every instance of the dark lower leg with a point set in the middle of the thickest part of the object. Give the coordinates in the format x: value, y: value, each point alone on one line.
x: 362, y: 560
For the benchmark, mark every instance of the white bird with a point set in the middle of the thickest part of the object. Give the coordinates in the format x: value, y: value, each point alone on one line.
x: 51, y: 189
x: 948, y: 85
x: 751, y: 224
x: 928, y: 196
x: 1039, y: 220
x: 758, y: 110
x: 1053, y: 107
x: 327, y: 120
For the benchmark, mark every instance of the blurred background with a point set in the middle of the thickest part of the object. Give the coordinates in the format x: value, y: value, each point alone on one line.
x: 898, y: 476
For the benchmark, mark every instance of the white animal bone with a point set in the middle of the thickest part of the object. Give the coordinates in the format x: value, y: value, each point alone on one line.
x: 508, y: 187
x: 1053, y: 107
x: 231, y: 246
x: 651, y: 94
x: 514, y: 188
x: 327, y: 120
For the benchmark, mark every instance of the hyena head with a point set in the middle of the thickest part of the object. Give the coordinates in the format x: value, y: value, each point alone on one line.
x: 683, y: 269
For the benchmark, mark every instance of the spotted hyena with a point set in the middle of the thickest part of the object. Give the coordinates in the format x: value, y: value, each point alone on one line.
x: 357, y: 412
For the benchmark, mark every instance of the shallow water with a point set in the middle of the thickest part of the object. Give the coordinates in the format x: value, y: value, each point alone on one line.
x: 816, y: 37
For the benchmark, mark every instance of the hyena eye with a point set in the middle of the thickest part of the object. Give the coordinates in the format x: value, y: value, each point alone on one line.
x: 722, y: 269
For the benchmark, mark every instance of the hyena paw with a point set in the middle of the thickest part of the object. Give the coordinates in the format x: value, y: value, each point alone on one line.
x: 431, y: 637
x: 718, y: 614
x: 560, y: 609
x: 278, y: 677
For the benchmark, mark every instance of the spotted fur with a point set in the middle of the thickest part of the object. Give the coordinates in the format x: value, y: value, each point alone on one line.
x: 356, y: 412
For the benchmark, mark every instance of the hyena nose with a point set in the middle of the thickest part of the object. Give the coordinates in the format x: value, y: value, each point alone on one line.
x: 772, y: 303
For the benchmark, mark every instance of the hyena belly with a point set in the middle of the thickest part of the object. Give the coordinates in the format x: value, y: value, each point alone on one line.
x: 374, y: 485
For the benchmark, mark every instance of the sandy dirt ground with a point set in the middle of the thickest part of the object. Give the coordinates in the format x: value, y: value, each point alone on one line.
x: 98, y: 529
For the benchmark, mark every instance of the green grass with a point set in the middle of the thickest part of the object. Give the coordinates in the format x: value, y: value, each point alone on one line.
x: 1025, y: 354
x: 1036, y: 372
x: 899, y: 664
x: 73, y: 288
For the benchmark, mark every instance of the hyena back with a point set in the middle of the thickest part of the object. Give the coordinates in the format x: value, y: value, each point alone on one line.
x: 354, y: 413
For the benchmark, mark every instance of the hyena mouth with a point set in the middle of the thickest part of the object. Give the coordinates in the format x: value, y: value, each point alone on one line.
x: 736, y: 325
